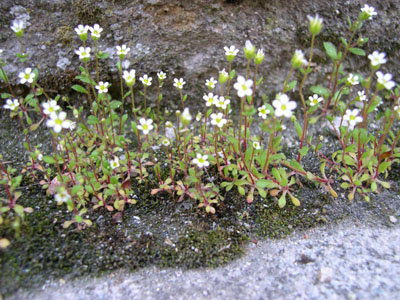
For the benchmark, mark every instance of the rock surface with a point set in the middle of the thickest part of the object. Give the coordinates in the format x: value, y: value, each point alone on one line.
x: 364, y: 263
x: 186, y: 38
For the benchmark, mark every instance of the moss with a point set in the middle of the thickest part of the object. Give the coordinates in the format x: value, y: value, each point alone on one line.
x: 65, y: 35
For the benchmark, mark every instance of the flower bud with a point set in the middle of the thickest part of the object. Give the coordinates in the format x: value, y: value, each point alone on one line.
x: 249, y: 50
x: 259, y: 57
x: 298, y: 59
x: 315, y: 24
x: 223, y: 76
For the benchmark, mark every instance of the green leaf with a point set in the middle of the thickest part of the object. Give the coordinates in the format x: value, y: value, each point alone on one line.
x: 241, y: 191
x: 295, y: 164
x: 92, y: 120
x: 320, y: 90
x: 276, y: 174
x: 303, y: 151
x: 383, y: 166
x: 115, y: 104
x: 330, y: 49
x: 232, y: 75
x: 282, y: 201
x: 49, y: 159
x: 19, y: 209
x: 79, y: 89
x: 291, y: 85
x: 357, y: 51
x: 299, y: 129
x: 6, y: 95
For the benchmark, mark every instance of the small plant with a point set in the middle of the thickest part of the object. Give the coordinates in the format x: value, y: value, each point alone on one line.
x: 101, y: 152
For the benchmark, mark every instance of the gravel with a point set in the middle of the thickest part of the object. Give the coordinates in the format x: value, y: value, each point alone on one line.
x: 350, y: 260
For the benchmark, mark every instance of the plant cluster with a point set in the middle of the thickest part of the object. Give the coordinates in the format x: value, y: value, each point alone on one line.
x: 102, y: 152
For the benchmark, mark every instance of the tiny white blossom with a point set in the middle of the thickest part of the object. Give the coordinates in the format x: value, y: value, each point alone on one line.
x: 218, y: 120
x: 352, y: 117
x: 353, y: 79
x: 161, y: 75
x: 129, y: 77
x: 315, y: 24
x: 62, y: 196
x: 84, y: 53
x: 26, y: 76
x: 95, y: 31
x: 362, y: 96
x: 231, y: 51
x: 122, y: 50
x: 145, y: 125
x: 11, y: 104
x: 256, y: 145
x: 1, y: 51
x: 58, y: 122
x: 50, y: 107
x: 81, y: 30
x: 243, y: 86
x: 18, y: 26
x: 165, y: 142
x: 385, y: 80
x: 102, y: 87
x: 263, y: 112
x: 179, y: 83
x: 210, y: 99
x: 298, y: 59
x: 259, y: 56
x: 146, y: 80
x: 283, y: 107
x: 40, y: 157
x: 210, y: 83
x: 114, y: 163
x: 377, y: 58
x: 201, y: 160
x: 223, y: 76
x: 369, y: 10
x: 222, y: 102
x: 315, y: 99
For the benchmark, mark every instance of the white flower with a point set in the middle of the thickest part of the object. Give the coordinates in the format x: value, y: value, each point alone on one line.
x: 145, y: 125
x: 165, y: 142
x: 18, y: 26
x: 40, y: 156
x: 362, y: 96
x: 256, y: 145
x: 82, y: 30
x: 222, y: 102
x: 218, y: 120
x: 243, y: 86
x: 1, y: 51
x: 26, y: 76
x: 377, y: 58
x: 11, y: 104
x: 146, y: 80
x: 201, y: 160
x: 50, y: 107
x: 210, y: 99
x: 161, y: 75
x: 283, y: 107
x: 122, y: 50
x: 369, y: 10
x: 62, y: 196
x: 129, y: 77
x: 352, y: 79
x: 315, y: 99
x: 263, y: 112
x: 58, y: 122
x: 199, y: 116
x: 114, y: 163
x: 168, y: 124
x: 230, y: 52
x: 179, y: 83
x: 210, y: 83
x: 84, y: 53
x: 385, y: 80
x: 102, y: 87
x: 95, y: 31
x: 352, y: 117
